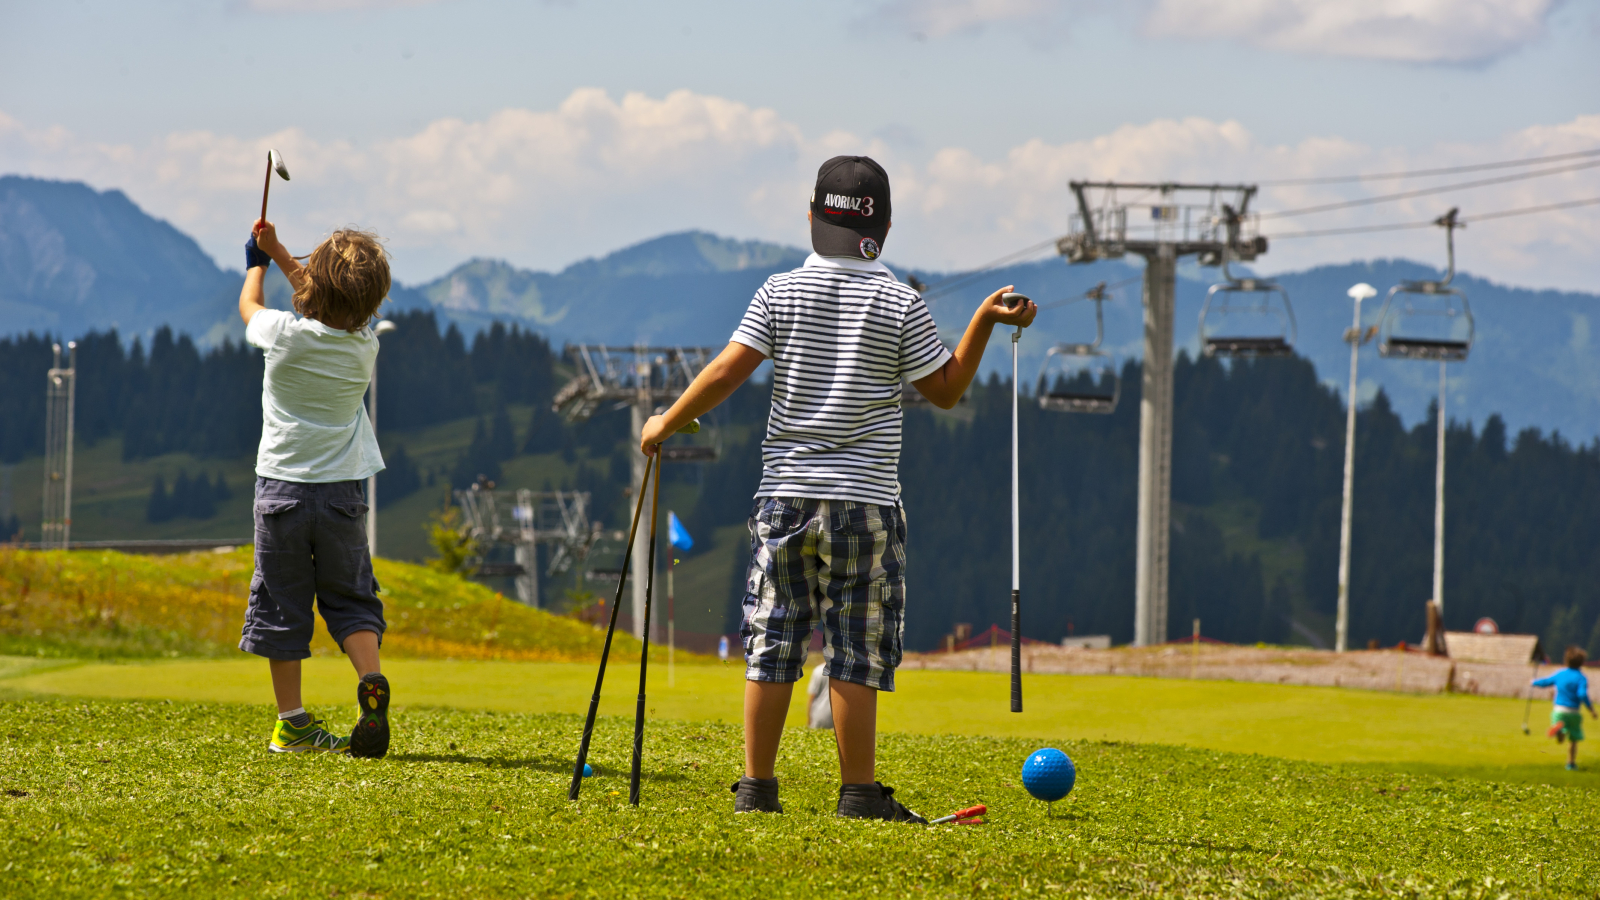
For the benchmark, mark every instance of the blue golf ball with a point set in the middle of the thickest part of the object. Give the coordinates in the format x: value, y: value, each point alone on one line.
x: 588, y: 770
x: 1049, y: 774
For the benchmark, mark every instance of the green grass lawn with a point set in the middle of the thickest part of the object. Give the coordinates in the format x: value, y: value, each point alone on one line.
x: 1447, y: 734
x: 142, y: 798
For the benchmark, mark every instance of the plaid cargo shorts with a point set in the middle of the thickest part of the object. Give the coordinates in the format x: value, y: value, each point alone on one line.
x: 838, y: 560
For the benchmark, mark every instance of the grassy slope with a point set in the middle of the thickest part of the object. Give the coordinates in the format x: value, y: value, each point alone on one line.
x: 177, y: 799
x: 103, y: 604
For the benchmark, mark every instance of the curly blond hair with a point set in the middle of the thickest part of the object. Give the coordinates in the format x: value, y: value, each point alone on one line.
x: 347, y: 279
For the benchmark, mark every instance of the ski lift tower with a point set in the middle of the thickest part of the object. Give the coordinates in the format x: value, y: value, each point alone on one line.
x: 559, y: 519
x: 643, y: 379
x: 1213, y: 222
x: 60, y: 400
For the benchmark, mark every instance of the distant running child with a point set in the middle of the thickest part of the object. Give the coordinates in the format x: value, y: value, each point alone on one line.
x: 317, y: 449
x: 1572, y: 692
x: 827, y: 533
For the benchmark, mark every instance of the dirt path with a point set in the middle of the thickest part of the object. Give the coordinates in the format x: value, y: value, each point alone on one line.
x: 1376, y: 670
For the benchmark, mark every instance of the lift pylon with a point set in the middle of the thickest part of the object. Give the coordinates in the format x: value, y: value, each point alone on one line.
x: 642, y: 379
x: 1217, y: 225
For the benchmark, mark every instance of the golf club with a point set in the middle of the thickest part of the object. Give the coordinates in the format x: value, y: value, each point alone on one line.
x: 274, y: 164
x: 1011, y: 300
x: 611, y: 630
x: 605, y: 650
x: 644, y: 652
x: 1528, y: 707
x: 971, y: 812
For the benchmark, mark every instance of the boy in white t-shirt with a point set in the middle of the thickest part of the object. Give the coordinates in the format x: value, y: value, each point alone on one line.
x: 317, y: 450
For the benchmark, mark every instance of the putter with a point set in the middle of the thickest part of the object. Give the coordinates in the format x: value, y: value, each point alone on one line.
x: 274, y: 164
x: 605, y: 650
x: 1528, y: 707
x: 1011, y: 300
x: 644, y: 653
x: 611, y: 630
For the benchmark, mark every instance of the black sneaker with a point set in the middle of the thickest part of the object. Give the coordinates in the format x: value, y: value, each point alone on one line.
x: 756, y: 795
x: 371, y: 735
x: 873, y: 801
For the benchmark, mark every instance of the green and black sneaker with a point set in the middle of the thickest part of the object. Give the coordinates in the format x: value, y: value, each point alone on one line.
x: 313, y: 738
x: 371, y: 735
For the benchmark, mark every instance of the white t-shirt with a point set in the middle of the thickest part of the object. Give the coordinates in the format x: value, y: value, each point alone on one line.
x: 314, y: 425
x: 843, y: 335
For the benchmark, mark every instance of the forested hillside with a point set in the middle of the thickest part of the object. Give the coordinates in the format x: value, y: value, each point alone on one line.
x: 1257, y: 459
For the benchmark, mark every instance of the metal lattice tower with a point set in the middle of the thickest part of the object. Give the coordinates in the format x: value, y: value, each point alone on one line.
x: 559, y: 519
x: 60, y: 397
x: 1216, y: 228
x: 643, y: 379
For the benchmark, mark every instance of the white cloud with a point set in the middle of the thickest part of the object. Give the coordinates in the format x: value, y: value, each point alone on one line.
x: 1418, y: 31
x: 544, y: 188
x: 1425, y: 31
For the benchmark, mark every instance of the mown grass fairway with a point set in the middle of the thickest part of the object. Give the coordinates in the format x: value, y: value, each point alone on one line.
x: 181, y: 799
x: 1474, y: 736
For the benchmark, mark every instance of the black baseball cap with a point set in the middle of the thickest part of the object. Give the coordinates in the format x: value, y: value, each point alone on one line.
x: 850, y: 208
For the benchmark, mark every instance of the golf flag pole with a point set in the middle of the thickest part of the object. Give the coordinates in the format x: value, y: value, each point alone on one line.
x: 1011, y: 300
x: 678, y: 539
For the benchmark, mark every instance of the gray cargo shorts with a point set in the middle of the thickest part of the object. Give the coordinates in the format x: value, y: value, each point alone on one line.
x: 311, y: 544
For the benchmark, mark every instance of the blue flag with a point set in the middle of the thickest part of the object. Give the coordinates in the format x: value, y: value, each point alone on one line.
x: 678, y: 534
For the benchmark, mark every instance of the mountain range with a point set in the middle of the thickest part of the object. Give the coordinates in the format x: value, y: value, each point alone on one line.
x: 73, y: 259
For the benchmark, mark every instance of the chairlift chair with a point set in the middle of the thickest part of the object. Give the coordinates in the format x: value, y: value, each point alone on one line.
x: 1246, y: 317
x: 1428, y: 320
x: 1081, y: 378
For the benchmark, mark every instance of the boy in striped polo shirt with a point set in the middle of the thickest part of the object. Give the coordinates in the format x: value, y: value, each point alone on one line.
x: 827, y: 533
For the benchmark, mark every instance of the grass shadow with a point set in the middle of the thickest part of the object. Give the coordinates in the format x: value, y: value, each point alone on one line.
x: 538, y: 764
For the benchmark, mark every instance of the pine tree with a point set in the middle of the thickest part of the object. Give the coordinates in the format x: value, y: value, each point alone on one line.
x: 159, y: 506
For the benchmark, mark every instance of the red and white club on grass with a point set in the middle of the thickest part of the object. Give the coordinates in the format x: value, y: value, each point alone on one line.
x: 960, y: 815
x: 274, y: 164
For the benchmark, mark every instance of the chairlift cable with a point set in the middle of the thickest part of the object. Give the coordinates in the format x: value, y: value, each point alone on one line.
x: 1465, y: 220
x: 945, y: 285
x: 1423, y: 173
x: 1424, y: 192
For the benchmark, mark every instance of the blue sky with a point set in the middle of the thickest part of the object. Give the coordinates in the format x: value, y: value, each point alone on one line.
x: 546, y: 132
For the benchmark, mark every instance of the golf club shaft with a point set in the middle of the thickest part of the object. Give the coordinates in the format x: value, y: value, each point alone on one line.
x: 1016, y: 539
x: 644, y: 654
x: 1527, y: 708
x: 266, y: 188
x: 605, y: 651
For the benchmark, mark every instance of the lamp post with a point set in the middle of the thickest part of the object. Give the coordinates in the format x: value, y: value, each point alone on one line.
x: 383, y: 327
x: 1355, y: 337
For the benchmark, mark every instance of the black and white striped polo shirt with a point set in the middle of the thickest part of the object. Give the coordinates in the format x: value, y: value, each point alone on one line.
x: 842, y: 335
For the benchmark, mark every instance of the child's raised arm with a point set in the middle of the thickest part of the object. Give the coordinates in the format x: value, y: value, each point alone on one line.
x: 715, y: 383
x: 945, y: 386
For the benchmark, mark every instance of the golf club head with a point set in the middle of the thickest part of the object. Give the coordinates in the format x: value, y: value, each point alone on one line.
x: 1012, y: 299
x: 277, y: 164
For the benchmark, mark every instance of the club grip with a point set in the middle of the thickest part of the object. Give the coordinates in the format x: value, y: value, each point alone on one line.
x: 1016, y: 651
x: 1012, y: 299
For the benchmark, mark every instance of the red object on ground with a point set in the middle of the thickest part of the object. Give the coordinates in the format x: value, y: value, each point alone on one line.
x: 963, y: 816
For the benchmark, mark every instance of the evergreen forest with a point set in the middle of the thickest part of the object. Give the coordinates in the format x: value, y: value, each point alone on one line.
x: 1257, y: 468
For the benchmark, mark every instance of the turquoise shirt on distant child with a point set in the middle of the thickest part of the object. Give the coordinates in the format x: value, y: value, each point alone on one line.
x: 1572, y: 689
